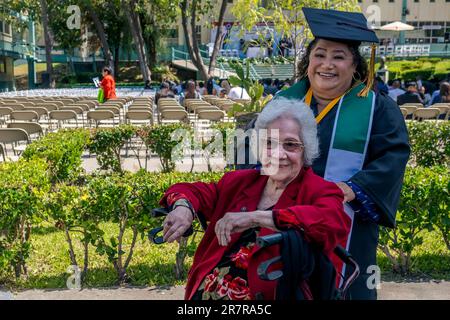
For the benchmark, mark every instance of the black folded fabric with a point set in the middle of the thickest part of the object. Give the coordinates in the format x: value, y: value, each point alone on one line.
x: 304, y: 261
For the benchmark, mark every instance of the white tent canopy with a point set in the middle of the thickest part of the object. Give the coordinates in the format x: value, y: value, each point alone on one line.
x: 397, y: 26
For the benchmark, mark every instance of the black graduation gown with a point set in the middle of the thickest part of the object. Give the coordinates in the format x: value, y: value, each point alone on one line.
x: 381, y: 178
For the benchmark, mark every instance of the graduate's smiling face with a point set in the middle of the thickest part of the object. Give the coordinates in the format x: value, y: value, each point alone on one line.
x: 331, y: 68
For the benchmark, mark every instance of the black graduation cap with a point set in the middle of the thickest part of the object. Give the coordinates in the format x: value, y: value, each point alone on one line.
x: 342, y: 26
x: 339, y: 26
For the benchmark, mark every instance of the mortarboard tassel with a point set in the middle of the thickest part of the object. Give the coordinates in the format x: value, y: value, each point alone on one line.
x: 371, y: 75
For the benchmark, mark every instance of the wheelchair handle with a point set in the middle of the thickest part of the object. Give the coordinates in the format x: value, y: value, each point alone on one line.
x: 269, y: 240
x: 154, y: 236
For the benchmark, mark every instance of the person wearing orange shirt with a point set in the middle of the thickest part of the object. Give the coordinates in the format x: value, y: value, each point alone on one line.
x: 108, y: 84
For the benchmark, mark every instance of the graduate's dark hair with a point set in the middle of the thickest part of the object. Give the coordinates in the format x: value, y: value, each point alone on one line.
x: 362, y: 68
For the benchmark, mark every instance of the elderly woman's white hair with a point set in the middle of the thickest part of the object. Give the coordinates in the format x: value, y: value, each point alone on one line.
x: 281, y: 108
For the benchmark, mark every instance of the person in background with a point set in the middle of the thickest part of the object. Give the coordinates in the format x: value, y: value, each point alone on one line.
x: 108, y: 84
x: 426, y: 97
x: 238, y: 93
x: 201, y: 88
x: 224, y: 84
x: 223, y: 94
x: 380, y: 86
x: 164, y: 92
x: 444, y: 94
x: 217, y: 87
x: 395, y: 91
x: 411, y: 95
x: 210, y: 86
x: 190, y: 92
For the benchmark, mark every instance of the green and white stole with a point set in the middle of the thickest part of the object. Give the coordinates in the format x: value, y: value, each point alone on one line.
x: 351, y: 130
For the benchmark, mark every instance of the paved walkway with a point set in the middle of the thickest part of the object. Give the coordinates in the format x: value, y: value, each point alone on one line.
x: 389, y: 291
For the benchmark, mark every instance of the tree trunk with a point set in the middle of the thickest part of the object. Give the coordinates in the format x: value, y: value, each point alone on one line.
x: 102, y: 36
x: 116, y: 62
x: 136, y: 32
x: 189, y: 36
x: 48, y: 42
x: 152, y: 53
x: 180, y: 256
x: 213, y: 58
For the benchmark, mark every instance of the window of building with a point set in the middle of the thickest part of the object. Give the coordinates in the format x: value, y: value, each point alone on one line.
x: 2, y: 65
x: 172, y: 33
x: 7, y: 28
x: 391, y: 0
x: 198, y: 33
x: 374, y: 1
x: 1, y: 26
x: 432, y: 1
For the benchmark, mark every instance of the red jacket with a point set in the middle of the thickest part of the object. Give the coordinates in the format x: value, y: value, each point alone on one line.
x: 315, y: 205
x: 109, y: 87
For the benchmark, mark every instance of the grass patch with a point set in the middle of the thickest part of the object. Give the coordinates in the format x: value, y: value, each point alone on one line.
x: 154, y: 264
x: 49, y: 261
x: 431, y: 260
x: 22, y: 70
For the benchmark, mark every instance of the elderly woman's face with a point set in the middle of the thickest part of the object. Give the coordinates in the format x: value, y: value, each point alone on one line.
x: 330, y: 69
x: 283, y: 158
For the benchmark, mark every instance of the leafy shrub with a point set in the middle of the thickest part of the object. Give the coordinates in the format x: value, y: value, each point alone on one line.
x: 439, y: 182
x: 22, y: 185
x: 106, y: 144
x: 69, y: 208
x: 62, y: 151
x: 212, y: 146
x: 414, y: 73
x: 413, y: 216
x: 430, y: 143
x: 167, y: 141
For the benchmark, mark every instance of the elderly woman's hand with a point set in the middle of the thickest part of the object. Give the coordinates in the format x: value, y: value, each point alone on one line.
x: 176, y: 223
x: 233, y: 222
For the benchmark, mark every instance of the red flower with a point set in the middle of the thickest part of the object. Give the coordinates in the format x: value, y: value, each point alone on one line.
x: 222, y: 286
x: 238, y: 290
x: 242, y: 257
x: 211, y: 281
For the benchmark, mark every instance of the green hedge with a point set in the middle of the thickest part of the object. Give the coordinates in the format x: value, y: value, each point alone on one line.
x: 430, y: 143
x: 48, y: 185
x: 124, y: 200
x: 427, y: 68
x: 424, y: 205
x: 62, y: 151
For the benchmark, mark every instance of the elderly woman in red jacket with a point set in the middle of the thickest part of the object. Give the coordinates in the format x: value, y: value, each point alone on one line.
x: 245, y: 204
x: 108, y: 84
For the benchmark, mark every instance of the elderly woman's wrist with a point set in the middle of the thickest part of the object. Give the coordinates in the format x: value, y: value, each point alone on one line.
x: 184, y: 203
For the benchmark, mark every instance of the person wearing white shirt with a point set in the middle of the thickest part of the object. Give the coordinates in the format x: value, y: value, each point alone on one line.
x: 395, y: 91
x: 238, y: 93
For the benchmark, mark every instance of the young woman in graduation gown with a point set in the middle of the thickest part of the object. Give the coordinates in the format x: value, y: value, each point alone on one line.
x: 362, y: 136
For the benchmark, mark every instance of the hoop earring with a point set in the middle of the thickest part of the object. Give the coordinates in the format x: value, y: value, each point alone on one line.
x: 359, y: 76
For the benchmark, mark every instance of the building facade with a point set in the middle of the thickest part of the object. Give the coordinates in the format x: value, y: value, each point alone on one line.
x: 7, y: 57
x: 430, y: 18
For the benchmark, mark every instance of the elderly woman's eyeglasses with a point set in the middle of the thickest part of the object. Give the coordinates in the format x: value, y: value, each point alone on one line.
x: 290, y: 146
